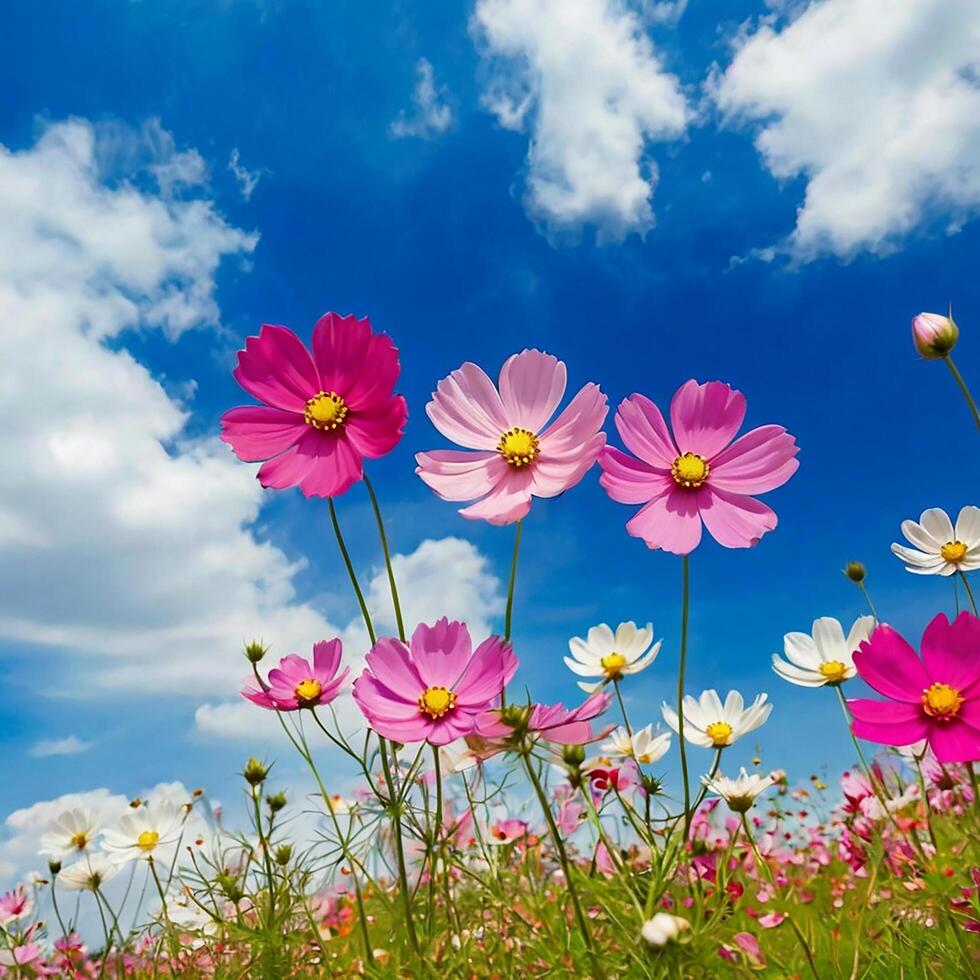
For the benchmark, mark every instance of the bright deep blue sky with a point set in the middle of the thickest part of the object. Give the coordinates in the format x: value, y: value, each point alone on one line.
x: 429, y: 237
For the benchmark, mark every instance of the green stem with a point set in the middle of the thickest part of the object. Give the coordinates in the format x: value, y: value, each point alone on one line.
x: 685, y: 608
x: 966, y: 391
x: 622, y: 707
x: 867, y: 598
x: 387, y: 553
x: 969, y: 591
x: 508, y: 614
x: 974, y: 784
x: 711, y: 775
x: 266, y: 844
x: 345, y: 554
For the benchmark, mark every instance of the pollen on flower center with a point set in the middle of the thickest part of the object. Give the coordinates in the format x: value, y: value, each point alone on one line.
x: 307, y: 691
x: 941, y: 701
x: 953, y: 551
x: 147, y: 840
x: 690, y: 470
x: 833, y: 671
x: 613, y: 664
x: 720, y: 733
x: 518, y: 446
x: 325, y: 411
x: 80, y: 840
x: 437, y: 701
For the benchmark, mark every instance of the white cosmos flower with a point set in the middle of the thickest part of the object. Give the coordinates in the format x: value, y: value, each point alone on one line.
x: 644, y: 746
x: 941, y: 549
x: 90, y: 873
x: 711, y: 724
x: 826, y: 656
x: 611, y: 655
x: 71, y: 834
x: 147, y: 832
x: 739, y: 793
x: 185, y: 913
x: 457, y: 757
x: 662, y: 928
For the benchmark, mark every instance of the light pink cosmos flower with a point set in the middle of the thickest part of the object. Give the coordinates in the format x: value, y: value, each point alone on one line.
x: 936, y: 698
x: 433, y: 689
x: 15, y: 904
x: 698, y: 474
x: 322, y: 415
x: 518, y: 455
x: 296, y: 683
x: 552, y: 722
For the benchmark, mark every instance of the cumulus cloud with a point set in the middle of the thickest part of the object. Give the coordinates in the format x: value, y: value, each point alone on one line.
x: 585, y: 80
x: 430, y: 114
x: 72, y: 745
x: 876, y: 104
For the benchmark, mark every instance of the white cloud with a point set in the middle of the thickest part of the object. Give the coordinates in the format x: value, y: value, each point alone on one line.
x: 430, y: 113
x: 72, y: 745
x: 876, y: 104
x: 587, y: 82
x: 247, y: 179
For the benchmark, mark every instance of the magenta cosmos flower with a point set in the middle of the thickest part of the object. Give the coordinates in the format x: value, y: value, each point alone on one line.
x: 936, y: 698
x: 552, y: 722
x: 434, y: 688
x: 517, y: 454
x: 322, y: 415
x: 296, y: 683
x: 697, y: 475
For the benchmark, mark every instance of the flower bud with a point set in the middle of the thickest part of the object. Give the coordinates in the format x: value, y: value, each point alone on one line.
x: 255, y: 651
x: 855, y: 571
x: 651, y: 785
x: 276, y: 802
x: 54, y: 866
x: 255, y: 772
x: 934, y: 335
x: 228, y: 884
x: 282, y: 854
x: 573, y: 755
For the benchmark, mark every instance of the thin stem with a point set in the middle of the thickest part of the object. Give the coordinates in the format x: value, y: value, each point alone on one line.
x: 508, y: 614
x: 711, y: 775
x: 969, y: 591
x: 685, y: 607
x: 966, y: 391
x: 387, y: 553
x: 973, y: 783
x: 622, y: 707
x: 345, y: 554
x: 867, y: 598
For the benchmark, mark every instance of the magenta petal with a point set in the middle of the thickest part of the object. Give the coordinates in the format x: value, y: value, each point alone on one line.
x: 257, y: 432
x: 377, y: 381
x: 376, y: 431
x: 466, y: 408
x: 326, y: 658
x: 576, y: 427
x: 336, y: 464
x: 441, y: 652
x: 389, y: 658
x: 884, y: 712
x: 733, y: 520
x: 642, y: 428
x: 883, y: 733
x: 955, y: 742
x: 890, y: 666
x: 487, y: 674
x: 509, y: 501
x: 705, y: 417
x: 380, y: 701
x: 416, y: 730
x: 340, y: 344
x: 277, y: 369
x: 531, y: 386
x: 629, y: 480
x: 458, y: 475
x: 670, y: 522
x: 761, y: 460
x: 288, y: 469
x: 951, y: 652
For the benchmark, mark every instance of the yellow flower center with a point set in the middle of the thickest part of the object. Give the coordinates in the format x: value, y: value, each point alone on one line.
x: 147, y: 840
x: 953, y: 551
x: 720, y: 733
x: 941, y: 701
x: 518, y: 446
x: 437, y: 701
x: 833, y: 671
x: 80, y: 840
x: 690, y: 470
x: 307, y: 691
x: 613, y: 664
x: 325, y: 411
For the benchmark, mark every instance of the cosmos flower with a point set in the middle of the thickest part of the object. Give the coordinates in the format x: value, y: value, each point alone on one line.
x: 739, y: 793
x: 698, y: 474
x: 711, y: 724
x: 15, y: 904
x: 89, y: 873
x: 506, y: 831
x: 296, y: 683
x: 936, y: 698
x: 941, y: 549
x: 644, y: 746
x: 551, y: 722
x: 611, y: 655
x: 517, y: 454
x: 321, y: 415
x: 147, y: 832
x: 826, y: 656
x: 433, y: 689
x: 71, y: 833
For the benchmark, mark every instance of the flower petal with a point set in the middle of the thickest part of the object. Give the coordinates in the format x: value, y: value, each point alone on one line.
x: 642, y: 428
x: 955, y: 742
x: 489, y: 671
x: 733, y: 520
x: 890, y: 666
x: 761, y: 460
x: 531, y: 386
x: 277, y: 369
x: 509, y: 501
x: 887, y: 723
x: 466, y: 408
x: 441, y: 651
x: 257, y: 432
x: 630, y: 481
x: 551, y: 477
x: 458, y: 475
x: 968, y: 526
x: 390, y: 660
x: 705, y: 417
x: 375, y: 431
x: 670, y: 522
x: 336, y: 464
x: 950, y: 651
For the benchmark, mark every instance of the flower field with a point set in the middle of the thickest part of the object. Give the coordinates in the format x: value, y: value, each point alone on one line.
x: 495, y: 835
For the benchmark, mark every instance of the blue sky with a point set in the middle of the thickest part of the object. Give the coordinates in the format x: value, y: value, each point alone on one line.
x: 433, y: 235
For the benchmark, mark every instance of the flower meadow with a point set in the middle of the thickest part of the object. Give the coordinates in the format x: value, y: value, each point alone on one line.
x: 495, y: 835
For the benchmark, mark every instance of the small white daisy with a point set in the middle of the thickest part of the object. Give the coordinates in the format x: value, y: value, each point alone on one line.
x: 939, y: 548
x: 71, y: 834
x: 89, y: 873
x: 711, y: 724
x: 644, y: 746
x: 739, y: 793
x: 610, y: 655
x: 824, y: 657
x: 147, y: 832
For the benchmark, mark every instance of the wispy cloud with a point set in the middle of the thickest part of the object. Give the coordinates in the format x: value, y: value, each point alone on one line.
x: 247, y: 179
x: 72, y: 745
x: 430, y: 113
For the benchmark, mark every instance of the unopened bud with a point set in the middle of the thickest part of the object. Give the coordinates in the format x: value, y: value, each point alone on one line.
x: 255, y: 772
x: 276, y: 802
x: 282, y: 854
x: 573, y: 755
x: 54, y: 866
x: 651, y: 785
x: 855, y: 571
x: 934, y: 335
x: 255, y: 651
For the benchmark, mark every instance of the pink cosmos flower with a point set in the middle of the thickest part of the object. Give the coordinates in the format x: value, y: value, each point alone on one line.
x: 506, y: 831
x: 296, y: 683
x: 321, y: 414
x: 697, y: 474
x: 433, y: 689
x: 518, y: 455
x: 552, y: 722
x: 15, y: 904
x: 936, y: 698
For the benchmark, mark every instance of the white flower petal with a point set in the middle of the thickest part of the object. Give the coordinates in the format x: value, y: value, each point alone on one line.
x: 828, y: 635
x: 583, y: 670
x: 968, y: 526
x: 801, y: 650
x: 936, y: 523
x: 797, y: 675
